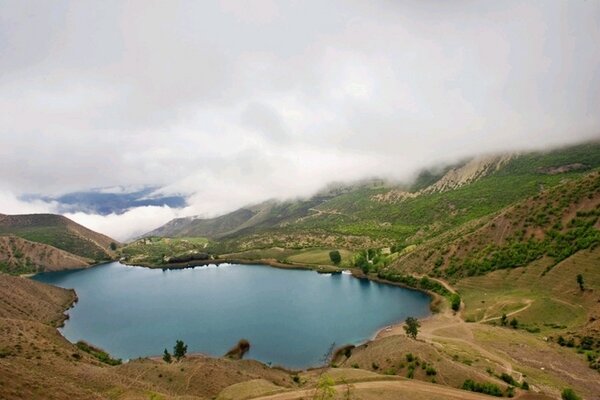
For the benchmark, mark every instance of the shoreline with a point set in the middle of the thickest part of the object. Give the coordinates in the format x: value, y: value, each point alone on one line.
x: 78, y: 268
x: 327, y: 269
x: 435, y: 299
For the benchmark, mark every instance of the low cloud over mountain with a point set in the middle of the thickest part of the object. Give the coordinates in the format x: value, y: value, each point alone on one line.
x: 223, y: 107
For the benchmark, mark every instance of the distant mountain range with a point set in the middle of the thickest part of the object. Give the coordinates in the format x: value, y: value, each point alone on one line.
x: 110, y: 200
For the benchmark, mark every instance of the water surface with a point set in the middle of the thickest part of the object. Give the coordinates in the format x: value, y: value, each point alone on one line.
x: 290, y: 317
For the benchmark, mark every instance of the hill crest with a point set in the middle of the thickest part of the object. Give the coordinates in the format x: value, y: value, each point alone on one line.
x: 48, y: 239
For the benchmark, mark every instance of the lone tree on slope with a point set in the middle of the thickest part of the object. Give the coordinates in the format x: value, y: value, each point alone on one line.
x: 335, y: 257
x: 179, y: 350
x: 580, y: 282
x: 411, y: 327
x: 167, y: 357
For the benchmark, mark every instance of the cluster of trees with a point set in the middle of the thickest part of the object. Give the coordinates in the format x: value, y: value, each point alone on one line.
x: 179, y: 352
x: 423, y: 283
x: 482, y: 387
x: 587, y: 345
x: 200, y: 256
x: 580, y: 234
x: 371, y: 260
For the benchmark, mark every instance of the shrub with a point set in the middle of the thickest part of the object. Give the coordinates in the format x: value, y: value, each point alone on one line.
x: 430, y: 371
x: 455, y: 301
x: 238, y: 351
x: 586, y: 342
x: 569, y: 394
x: 98, y: 353
x: 508, y: 379
x: 510, y: 391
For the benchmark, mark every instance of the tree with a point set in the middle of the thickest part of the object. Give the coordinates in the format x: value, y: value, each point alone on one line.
x: 514, y: 323
x: 361, y: 261
x: 411, y: 327
x: 569, y: 394
x: 580, y: 281
x: 455, y: 301
x: 113, y: 246
x: 335, y: 257
x: 167, y: 357
x: 179, y: 350
x: 504, y: 320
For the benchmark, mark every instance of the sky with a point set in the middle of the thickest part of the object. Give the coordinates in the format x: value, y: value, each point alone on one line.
x: 229, y: 103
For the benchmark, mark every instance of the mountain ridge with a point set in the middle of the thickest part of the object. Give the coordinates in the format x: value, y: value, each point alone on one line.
x: 374, y: 209
x: 39, y: 242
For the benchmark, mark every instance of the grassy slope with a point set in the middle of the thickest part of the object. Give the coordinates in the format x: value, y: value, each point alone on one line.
x: 20, y: 256
x: 356, y: 219
x: 428, y: 215
x: 556, y: 223
x: 551, y: 302
x: 545, y: 242
x: 59, y: 232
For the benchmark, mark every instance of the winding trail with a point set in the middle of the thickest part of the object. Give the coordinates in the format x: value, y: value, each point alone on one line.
x: 448, y: 320
x: 529, y: 303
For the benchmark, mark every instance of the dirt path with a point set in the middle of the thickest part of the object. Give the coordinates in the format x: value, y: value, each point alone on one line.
x: 318, y: 213
x: 529, y: 303
x: 440, y: 281
x: 397, y: 388
x: 454, y: 330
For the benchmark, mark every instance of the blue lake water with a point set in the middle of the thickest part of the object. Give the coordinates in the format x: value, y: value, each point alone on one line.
x: 290, y: 317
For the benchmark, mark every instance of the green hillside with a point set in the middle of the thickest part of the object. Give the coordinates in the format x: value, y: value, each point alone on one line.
x: 59, y: 232
x: 555, y: 223
x: 378, y: 214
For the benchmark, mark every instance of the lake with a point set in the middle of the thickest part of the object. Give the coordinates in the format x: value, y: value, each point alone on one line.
x: 290, y: 317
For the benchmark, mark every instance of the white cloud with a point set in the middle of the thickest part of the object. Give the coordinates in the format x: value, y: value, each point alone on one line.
x: 11, y: 204
x: 232, y: 104
x: 132, y: 223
